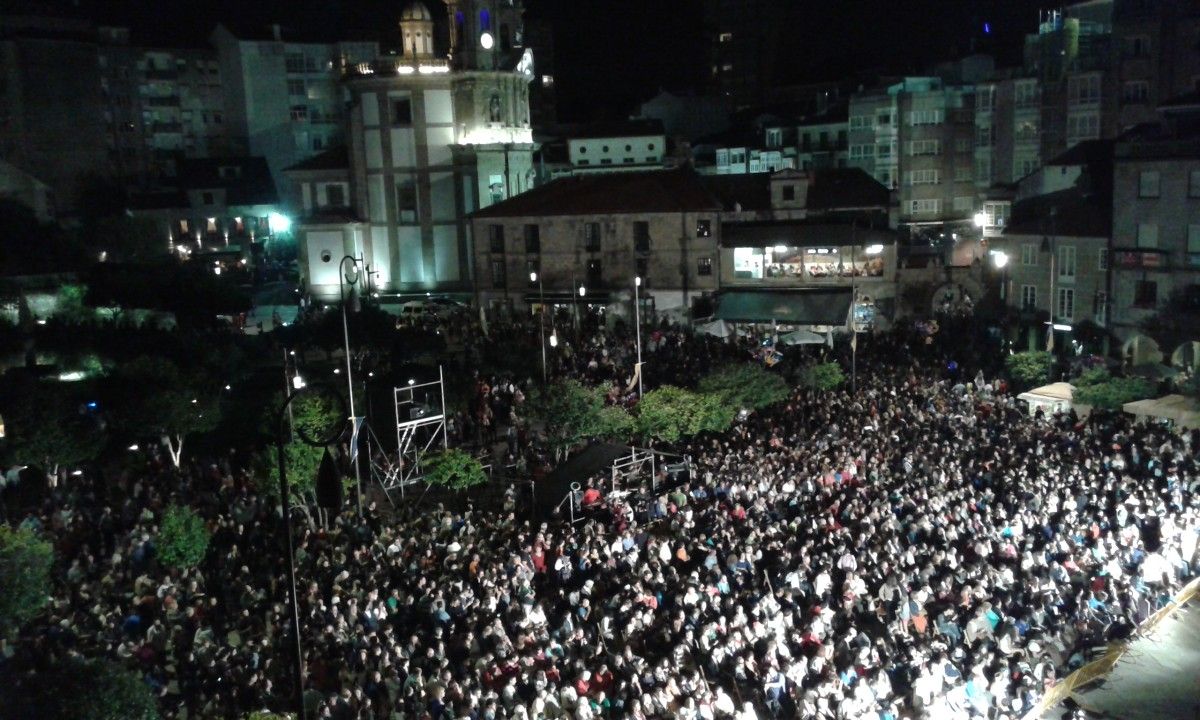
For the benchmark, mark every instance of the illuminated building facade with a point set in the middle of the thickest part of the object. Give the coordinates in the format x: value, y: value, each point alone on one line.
x: 432, y: 137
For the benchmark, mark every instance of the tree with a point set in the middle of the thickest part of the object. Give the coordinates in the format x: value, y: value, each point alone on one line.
x: 51, y: 425
x: 130, y: 239
x: 182, y: 538
x: 78, y: 690
x: 1113, y: 393
x: 615, y: 424
x: 670, y: 413
x: 315, y: 416
x: 268, y: 715
x: 746, y: 385
x: 189, y: 290
x: 25, y: 561
x: 152, y: 396
x: 452, y: 468
x: 822, y: 376
x: 569, y: 412
x: 1029, y: 368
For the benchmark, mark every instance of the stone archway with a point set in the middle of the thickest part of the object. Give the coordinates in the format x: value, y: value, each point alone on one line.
x: 1141, y: 350
x: 1187, y: 355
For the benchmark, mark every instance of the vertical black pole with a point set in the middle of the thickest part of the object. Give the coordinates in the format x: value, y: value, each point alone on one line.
x: 284, y: 502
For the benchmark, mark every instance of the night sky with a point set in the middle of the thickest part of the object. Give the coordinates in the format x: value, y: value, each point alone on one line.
x: 613, y: 53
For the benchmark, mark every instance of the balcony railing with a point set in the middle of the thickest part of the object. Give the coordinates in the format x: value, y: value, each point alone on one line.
x: 398, y: 66
x: 1142, y: 259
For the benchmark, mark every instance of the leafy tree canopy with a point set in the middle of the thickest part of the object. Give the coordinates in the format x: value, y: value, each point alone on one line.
x: 1029, y: 368
x: 746, y: 385
x: 25, y: 562
x: 452, y: 468
x: 189, y: 289
x: 569, y: 412
x: 48, y: 424
x: 79, y: 690
x: 670, y: 413
x: 1113, y: 393
x: 823, y: 376
x: 182, y: 538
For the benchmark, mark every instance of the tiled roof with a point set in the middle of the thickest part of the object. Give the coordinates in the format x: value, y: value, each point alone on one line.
x: 834, y: 188
x: 1076, y: 214
x: 654, y: 191
x: 249, y: 183
x: 335, y: 158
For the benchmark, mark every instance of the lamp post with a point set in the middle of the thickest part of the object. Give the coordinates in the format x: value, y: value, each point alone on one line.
x: 289, y: 545
x: 637, y: 324
x: 1048, y: 245
x: 534, y: 277
x: 350, y: 277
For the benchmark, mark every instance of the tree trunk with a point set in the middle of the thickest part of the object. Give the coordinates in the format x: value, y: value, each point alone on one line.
x: 175, y: 449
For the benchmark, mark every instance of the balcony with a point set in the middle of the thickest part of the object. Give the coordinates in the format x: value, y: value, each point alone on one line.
x: 1141, y: 259
x: 395, y: 65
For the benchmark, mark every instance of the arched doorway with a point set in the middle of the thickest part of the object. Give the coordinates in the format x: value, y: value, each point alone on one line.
x: 1187, y: 356
x: 1141, y: 350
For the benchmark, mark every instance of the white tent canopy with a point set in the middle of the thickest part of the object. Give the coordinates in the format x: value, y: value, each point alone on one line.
x: 802, y: 337
x: 1055, y: 397
x: 717, y: 328
x: 1182, y: 410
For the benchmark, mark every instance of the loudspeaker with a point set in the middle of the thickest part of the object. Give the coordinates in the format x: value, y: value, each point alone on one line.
x: 329, y: 484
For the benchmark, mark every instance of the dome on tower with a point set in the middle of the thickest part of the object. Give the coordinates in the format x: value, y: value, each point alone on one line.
x: 415, y: 11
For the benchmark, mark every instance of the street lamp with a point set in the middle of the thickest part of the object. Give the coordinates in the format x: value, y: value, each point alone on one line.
x: 637, y: 323
x: 1049, y: 245
x: 980, y: 219
x: 285, y: 509
x: 534, y: 277
x: 351, y: 277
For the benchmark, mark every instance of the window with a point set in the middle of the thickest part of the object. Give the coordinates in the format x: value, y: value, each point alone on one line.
x: 1083, y: 89
x: 1027, y: 130
x: 533, y: 239
x: 650, y: 146
x: 402, y: 111
x: 924, y: 177
x: 985, y: 98
x: 860, y: 122
x: 883, y: 150
x: 1024, y: 166
x: 1145, y: 294
x: 1135, y: 92
x: 858, y: 152
x: 917, y: 118
x: 984, y: 136
x: 883, y: 119
x: 1147, y: 235
x: 496, y: 238
x: 1137, y: 46
x: 704, y: 227
x: 1102, y: 259
x: 964, y: 203
x: 963, y: 174
x: 207, y: 199
x: 1100, y: 308
x: 1082, y: 127
x: 595, y: 273
x: 406, y: 200
x: 925, y: 207
x: 1194, y: 184
x: 1066, y: 262
x: 774, y: 137
x: 962, y: 145
x: 1025, y: 94
x: 211, y: 226
x: 499, y: 278
x: 925, y: 147
x: 296, y: 87
x: 1193, y: 246
x: 789, y: 193
x: 1065, y: 308
x: 1028, y: 297
x: 183, y: 227
x: 299, y: 112
x: 533, y: 265
x: 1029, y: 254
x: 294, y: 62
x: 1148, y: 184
x: 704, y: 266
x: 725, y: 37
x: 983, y: 170
x: 547, y: 81
x: 591, y: 236
x: 641, y: 236
x: 335, y: 195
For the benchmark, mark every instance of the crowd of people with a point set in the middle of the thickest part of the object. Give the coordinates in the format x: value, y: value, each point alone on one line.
x: 919, y: 548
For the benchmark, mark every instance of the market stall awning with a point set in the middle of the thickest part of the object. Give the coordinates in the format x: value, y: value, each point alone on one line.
x: 1052, y: 393
x: 824, y: 306
x: 1181, y: 409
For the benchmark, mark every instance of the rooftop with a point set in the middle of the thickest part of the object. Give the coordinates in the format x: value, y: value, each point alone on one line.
x: 246, y: 180
x: 1076, y: 214
x: 630, y: 193
x: 335, y: 158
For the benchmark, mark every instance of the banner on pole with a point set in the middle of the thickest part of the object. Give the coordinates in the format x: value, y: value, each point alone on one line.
x: 356, y: 425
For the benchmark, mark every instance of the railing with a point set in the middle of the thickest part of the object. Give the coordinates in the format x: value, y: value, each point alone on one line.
x: 398, y: 66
